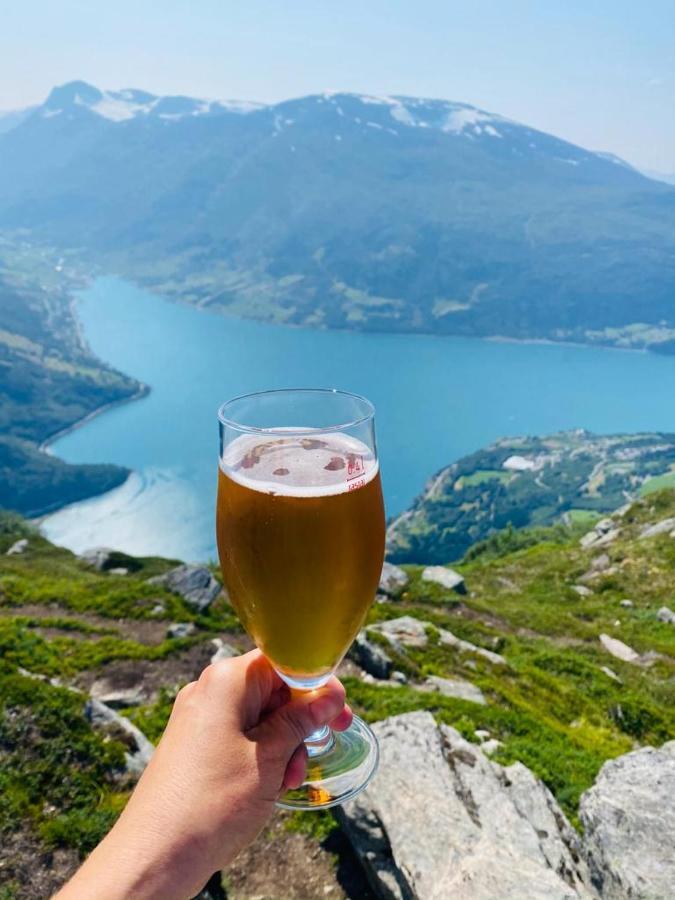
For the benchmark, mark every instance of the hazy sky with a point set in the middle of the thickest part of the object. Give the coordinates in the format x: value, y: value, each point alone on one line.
x: 600, y: 73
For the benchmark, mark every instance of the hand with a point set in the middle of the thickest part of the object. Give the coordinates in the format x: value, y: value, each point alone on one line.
x: 232, y: 745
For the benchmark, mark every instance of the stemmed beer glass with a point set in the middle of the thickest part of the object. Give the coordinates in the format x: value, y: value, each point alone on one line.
x: 300, y: 527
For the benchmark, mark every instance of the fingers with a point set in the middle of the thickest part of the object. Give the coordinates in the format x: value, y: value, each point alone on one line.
x: 296, y: 770
x: 343, y: 720
x: 280, y: 733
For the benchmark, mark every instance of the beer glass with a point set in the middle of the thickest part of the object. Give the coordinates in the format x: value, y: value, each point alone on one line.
x: 300, y: 528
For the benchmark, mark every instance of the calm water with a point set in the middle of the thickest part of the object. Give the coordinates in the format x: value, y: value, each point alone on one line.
x: 436, y: 399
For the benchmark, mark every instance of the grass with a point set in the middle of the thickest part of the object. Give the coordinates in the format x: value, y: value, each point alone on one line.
x: 552, y: 707
x: 658, y: 483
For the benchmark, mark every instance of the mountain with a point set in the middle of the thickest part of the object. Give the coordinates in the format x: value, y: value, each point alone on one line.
x: 571, y: 478
x: 522, y: 665
x: 347, y: 210
x: 49, y: 381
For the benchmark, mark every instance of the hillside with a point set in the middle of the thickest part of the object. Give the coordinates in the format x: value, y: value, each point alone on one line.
x: 569, y: 478
x: 525, y: 636
x: 49, y: 381
x: 346, y: 210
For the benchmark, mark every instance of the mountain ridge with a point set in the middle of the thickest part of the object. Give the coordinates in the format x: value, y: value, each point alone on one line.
x: 349, y: 211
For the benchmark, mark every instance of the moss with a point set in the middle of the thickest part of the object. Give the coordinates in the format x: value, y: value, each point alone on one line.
x: 317, y: 824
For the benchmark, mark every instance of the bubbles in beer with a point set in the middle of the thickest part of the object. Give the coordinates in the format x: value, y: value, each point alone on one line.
x: 296, y: 466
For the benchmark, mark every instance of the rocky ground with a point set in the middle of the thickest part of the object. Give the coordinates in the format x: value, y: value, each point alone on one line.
x: 501, y: 689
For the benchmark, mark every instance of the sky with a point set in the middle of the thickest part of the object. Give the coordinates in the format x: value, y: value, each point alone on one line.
x: 600, y: 73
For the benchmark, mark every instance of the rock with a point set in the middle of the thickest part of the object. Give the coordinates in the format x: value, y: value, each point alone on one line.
x: 581, y: 590
x: 195, y: 584
x: 482, y: 734
x: 181, y: 629
x: 158, y: 609
x: 610, y: 673
x: 450, y: 640
x: 656, y: 528
x: 117, y: 698
x: 139, y: 749
x: 626, y: 604
x: 447, y: 578
x: 666, y: 615
x: 600, y: 563
x: 118, y: 571
x: 404, y: 631
x: 399, y: 677
x: 370, y: 656
x: 602, y: 533
x: 450, y: 687
x: 223, y: 651
x: 491, y: 746
x: 18, y: 547
x: 629, y: 822
x: 393, y: 580
x: 98, y: 557
x: 441, y: 821
x: 619, y: 649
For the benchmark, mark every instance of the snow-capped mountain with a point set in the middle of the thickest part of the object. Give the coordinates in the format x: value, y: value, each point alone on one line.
x: 351, y: 210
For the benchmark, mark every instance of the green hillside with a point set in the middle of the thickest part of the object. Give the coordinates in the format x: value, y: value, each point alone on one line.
x: 570, y: 478
x: 559, y: 701
x: 49, y: 380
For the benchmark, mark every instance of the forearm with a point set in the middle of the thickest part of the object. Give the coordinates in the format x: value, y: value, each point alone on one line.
x: 137, y: 865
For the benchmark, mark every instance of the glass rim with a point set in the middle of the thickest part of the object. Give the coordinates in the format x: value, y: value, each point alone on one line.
x: 254, y: 429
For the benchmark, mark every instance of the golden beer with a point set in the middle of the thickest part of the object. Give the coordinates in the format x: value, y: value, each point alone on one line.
x: 300, y: 529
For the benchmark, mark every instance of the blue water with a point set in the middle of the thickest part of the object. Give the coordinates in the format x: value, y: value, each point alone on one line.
x: 437, y: 398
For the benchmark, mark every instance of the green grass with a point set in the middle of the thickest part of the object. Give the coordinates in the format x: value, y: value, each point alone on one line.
x: 658, y: 483
x: 480, y: 476
x: 582, y: 517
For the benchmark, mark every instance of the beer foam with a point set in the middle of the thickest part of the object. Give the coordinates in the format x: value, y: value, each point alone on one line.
x: 299, y: 466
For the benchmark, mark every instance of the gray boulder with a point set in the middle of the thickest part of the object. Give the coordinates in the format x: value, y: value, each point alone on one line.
x: 619, y: 650
x: 451, y: 640
x: 441, y: 821
x: 393, y: 580
x: 222, y: 651
x: 453, y: 687
x: 603, y: 533
x: 98, y: 557
x: 195, y: 584
x: 582, y: 590
x: 370, y: 656
x: 626, y: 604
x: 656, y: 528
x: 181, y: 629
x: 117, y: 698
x: 405, y: 631
x: 629, y: 822
x: 139, y: 749
x: 18, y: 547
x: 666, y: 615
x: 447, y: 578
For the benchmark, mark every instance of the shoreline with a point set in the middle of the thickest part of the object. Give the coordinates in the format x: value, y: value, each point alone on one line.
x: 142, y: 391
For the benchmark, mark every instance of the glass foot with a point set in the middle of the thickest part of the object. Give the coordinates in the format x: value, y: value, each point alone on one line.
x: 339, y: 773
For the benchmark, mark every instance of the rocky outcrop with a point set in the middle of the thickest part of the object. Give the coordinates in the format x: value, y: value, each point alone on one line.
x: 446, y: 578
x: 97, y: 557
x: 454, y: 687
x: 442, y: 821
x: 18, y: 547
x: 393, y: 580
x: 629, y: 822
x: 603, y: 533
x: 372, y: 658
x: 666, y: 615
x: 195, y: 584
x: 407, y: 631
x: 665, y: 526
x: 139, y: 749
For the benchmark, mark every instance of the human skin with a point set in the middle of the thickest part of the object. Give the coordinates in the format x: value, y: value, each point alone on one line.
x: 233, y: 743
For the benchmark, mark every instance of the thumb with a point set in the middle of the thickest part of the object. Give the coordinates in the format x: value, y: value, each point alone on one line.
x: 280, y: 733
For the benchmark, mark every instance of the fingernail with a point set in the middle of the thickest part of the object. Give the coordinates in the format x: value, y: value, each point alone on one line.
x: 325, y: 708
